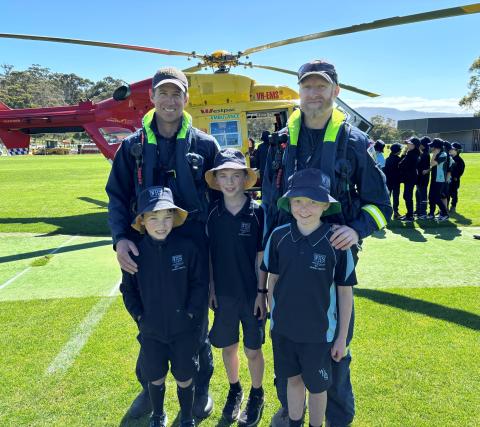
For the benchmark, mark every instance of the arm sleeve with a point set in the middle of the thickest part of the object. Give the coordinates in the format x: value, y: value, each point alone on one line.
x: 131, y: 295
x: 197, y: 286
x: 345, y: 268
x: 369, y: 181
x: 270, y: 256
x: 120, y: 189
x: 261, y: 226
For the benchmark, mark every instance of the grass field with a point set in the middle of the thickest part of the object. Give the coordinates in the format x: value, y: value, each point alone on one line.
x: 68, y: 347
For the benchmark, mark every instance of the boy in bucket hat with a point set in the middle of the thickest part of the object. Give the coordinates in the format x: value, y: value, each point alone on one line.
x: 166, y: 298
x: 237, y: 285
x: 306, y: 276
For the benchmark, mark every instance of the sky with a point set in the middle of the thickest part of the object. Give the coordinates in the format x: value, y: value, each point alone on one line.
x: 422, y: 66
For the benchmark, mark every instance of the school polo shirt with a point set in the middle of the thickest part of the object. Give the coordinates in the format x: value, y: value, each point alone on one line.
x: 234, y: 242
x: 304, y: 306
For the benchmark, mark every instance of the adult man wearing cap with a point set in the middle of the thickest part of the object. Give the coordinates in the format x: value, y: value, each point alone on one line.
x: 166, y: 151
x: 318, y: 136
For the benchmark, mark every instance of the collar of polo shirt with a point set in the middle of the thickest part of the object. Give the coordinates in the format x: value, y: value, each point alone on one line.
x: 313, y: 238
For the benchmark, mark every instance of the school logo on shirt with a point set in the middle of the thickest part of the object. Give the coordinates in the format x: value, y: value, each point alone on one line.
x: 318, y: 262
x: 245, y: 229
x: 177, y: 262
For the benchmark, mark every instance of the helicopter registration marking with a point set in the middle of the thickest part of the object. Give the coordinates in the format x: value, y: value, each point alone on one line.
x: 271, y: 94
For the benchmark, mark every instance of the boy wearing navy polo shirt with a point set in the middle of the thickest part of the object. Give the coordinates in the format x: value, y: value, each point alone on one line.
x: 237, y: 286
x: 166, y: 297
x: 309, y: 287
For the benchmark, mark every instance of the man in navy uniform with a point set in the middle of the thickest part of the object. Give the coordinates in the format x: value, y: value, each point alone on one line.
x: 318, y: 136
x: 167, y: 151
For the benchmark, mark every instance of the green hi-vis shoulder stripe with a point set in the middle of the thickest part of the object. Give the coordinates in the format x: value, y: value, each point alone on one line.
x: 376, y: 214
x: 147, y: 121
x: 294, y: 124
x: 333, y: 127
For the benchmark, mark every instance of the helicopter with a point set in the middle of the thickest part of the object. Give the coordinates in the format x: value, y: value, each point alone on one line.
x: 223, y: 104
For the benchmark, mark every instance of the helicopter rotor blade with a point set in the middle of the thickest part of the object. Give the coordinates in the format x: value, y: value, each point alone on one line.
x: 293, y: 73
x: 381, y: 23
x: 99, y: 44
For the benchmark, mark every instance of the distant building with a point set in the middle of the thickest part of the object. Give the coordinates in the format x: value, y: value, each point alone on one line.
x: 465, y: 130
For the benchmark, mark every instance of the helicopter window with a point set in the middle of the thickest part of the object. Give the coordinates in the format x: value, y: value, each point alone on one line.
x: 226, y: 133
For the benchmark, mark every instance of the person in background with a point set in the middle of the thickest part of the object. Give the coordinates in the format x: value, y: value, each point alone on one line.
x: 392, y: 173
x: 408, y: 171
x: 438, y: 168
x: 423, y: 176
x: 457, y: 171
x: 262, y: 152
x: 379, y: 146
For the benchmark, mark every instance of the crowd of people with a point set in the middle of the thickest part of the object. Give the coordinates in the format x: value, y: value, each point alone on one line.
x: 188, y: 237
x: 430, y: 170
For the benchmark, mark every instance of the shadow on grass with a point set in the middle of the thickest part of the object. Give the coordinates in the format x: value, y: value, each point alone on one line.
x: 144, y: 421
x: 86, y: 224
x: 445, y: 230
x: 437, y: 311
x: 407, y: 230
x: 460, y: 219
x: 36, y: 254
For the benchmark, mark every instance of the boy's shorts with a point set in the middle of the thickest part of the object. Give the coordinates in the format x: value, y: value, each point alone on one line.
x: 182, y: 353
x: 313, y: 361
x: 228, y: 315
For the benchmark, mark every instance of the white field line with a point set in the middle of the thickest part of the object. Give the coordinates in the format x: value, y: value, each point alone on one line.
x: 28, y: 268
x: 79, y: 338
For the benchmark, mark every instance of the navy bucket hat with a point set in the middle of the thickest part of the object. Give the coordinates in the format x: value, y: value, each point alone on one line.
x: 313, y: 184
x: 229, y: 158
x: 156, y: 199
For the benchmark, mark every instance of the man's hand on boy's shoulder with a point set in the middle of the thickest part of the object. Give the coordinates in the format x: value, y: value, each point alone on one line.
x: 123, y: 249
x: 339, y: 349
x: 260, y: 306
x: 343, y: 237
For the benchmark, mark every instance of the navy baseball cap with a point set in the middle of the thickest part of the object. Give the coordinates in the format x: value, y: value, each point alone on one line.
x: 156, y: 199
x: 313, y: 184
x: 456, y: 146
x: 447, y: 145
x: 436, y: 143
x: 170, y: 75
x: 414, y: 140
x: 229, y: 158
x: 396, y: 148
x: 425, y: 141
x: 320, y: 68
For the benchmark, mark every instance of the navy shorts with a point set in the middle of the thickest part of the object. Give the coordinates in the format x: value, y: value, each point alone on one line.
x: 182, y: 353
x: 226, y: 325
x: 313, y: 361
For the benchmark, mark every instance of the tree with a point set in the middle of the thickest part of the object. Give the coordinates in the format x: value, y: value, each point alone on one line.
x: 103, y: 89
x: 72, y: 86
x: 384, y: 129
x: 472, y: 99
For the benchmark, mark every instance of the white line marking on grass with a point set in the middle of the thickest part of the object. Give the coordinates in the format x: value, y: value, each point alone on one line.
x: 29, y: 268
x: 73, y: 347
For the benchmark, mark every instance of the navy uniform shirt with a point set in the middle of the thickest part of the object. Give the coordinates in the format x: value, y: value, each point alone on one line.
x: 235, y: 241
x: 304, y: 306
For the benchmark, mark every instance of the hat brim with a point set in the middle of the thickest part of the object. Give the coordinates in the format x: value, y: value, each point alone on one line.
x: 249, y: 183
x: 322, y: 74
x: 179, y: 217
x: 173, y: 81
x: 314, y: 194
